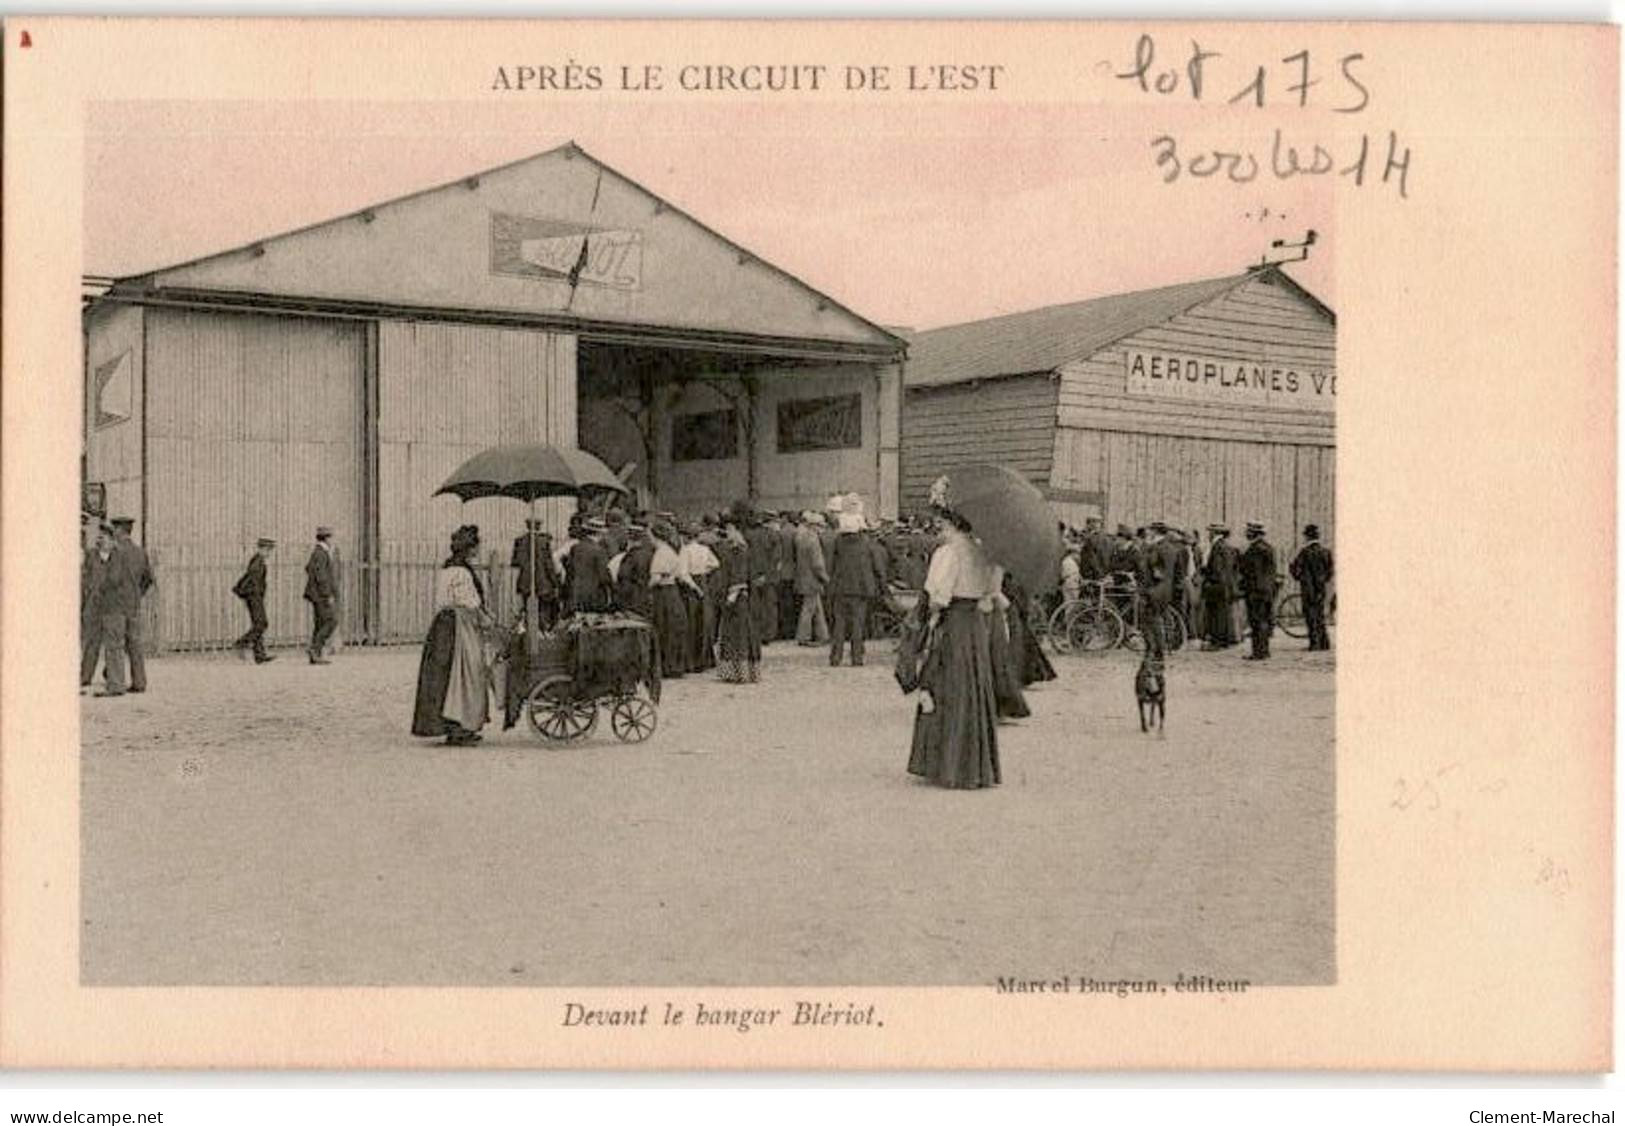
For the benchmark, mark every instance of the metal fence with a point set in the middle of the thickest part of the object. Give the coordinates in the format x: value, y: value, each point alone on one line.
x: 387, y: 601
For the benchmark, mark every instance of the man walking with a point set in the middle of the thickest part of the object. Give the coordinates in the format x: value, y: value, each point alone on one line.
x: 322, y: 591
x: 251, y: 589
x: 855, y: 581
x: 1258, y: 587
x: 127, y: 580
x: 811, y: 577
x: 1219, y: 588
x: 1313, y: 569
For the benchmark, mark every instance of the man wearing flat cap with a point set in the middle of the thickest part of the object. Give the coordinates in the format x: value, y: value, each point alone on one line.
x: 1220, y: 588
x: 98, y: 559
x: 1258, y: 587
x: 322, y: 592
x: 251, y: 589
x: 1312, y: 567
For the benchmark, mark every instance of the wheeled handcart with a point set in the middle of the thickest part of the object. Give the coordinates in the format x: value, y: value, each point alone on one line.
x: 559, y: 681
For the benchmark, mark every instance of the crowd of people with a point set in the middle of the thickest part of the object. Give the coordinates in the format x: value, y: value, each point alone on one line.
x: 716, y: 590
x: 1214, y: 586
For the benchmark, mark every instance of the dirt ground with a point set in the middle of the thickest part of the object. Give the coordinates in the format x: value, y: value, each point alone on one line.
x: 277, y: 825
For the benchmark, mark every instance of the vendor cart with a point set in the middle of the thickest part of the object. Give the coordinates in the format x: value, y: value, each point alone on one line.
x: 559, y: 681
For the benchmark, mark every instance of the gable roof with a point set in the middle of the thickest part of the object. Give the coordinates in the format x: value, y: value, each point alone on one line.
x: 346, y: 259
x: 1041, y: 340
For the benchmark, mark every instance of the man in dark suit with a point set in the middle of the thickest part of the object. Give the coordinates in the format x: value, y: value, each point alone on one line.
x: 587, y: 566
x: 1160, y: 577
x: 541, y: 579
x: 93, y: 569
x: 1094, y: 552
x: 632, y: 591
x: 1313, y: 570
x: 322, y: 592
x: 251, y: 589
x: 1258, y: 587
x: 1220, y: 588
x: 127, y: 579
x: 855, y: 582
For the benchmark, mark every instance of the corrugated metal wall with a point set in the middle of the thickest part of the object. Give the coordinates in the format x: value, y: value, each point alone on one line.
x: 446, y: 392
x: 254, y: 429
x: 1008, y: 421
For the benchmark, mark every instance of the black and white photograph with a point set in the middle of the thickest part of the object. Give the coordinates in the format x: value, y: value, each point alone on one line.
x: 521, y: 581
x: 755, y: 548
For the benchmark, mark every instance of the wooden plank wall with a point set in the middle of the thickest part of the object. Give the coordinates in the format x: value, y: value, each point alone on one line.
x: 1009, y: 421
x: 1193, y: 462
x: 254, y: 427
x: 446, y: 392
x: 1257, y: 322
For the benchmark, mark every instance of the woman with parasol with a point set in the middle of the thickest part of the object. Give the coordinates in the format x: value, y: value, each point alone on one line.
x: 956, y: 742
x: 993, y: 519
x: 452, y: 694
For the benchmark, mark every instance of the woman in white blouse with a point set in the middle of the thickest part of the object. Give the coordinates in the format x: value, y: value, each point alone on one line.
x: 956, y: 741
x: 452, y: 695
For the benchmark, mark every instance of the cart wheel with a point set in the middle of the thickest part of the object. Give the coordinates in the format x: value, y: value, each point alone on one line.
x: 632, y: 718
x: 555, y: 714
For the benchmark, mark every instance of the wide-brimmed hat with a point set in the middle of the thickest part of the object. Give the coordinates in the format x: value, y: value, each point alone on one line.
x: 1220, y: 528
x: 265, y: 541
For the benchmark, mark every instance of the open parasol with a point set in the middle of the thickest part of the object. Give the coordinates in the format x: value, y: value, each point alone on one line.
x: 1012, y: 520
x: 528, y: 473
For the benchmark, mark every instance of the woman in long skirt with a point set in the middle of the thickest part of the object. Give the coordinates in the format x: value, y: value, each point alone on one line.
x: 1011, y: 701
x: 739, y: 649
x: 670, y: 615
x: 698, y: 561
x: 1031, y: 664
x: 452, y: 690
x: 956, y: 741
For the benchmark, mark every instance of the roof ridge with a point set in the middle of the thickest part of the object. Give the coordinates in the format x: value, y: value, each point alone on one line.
x: 1082, y: 301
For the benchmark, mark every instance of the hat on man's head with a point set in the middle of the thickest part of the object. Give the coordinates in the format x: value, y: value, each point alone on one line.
x: 1123, y: 530
x: 1220, y: 528
x: 323, y: 531
x: 1157, y: 526
x: 265, y: 541
x: 1311, y: 531
x: 122, y: 522
x: 593, y: 524
x: 1254, y: 529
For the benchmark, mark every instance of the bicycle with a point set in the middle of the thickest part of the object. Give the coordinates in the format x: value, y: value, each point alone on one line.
x: 1094, y: 623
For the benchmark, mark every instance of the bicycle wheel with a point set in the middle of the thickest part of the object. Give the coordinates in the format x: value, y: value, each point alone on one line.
x: 1173, y: 629
x: 1094, y: 629
x: 1289, y: 617
x: 1057, y: 629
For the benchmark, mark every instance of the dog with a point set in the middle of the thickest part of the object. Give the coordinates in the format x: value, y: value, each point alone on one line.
x: 1151, y: 690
